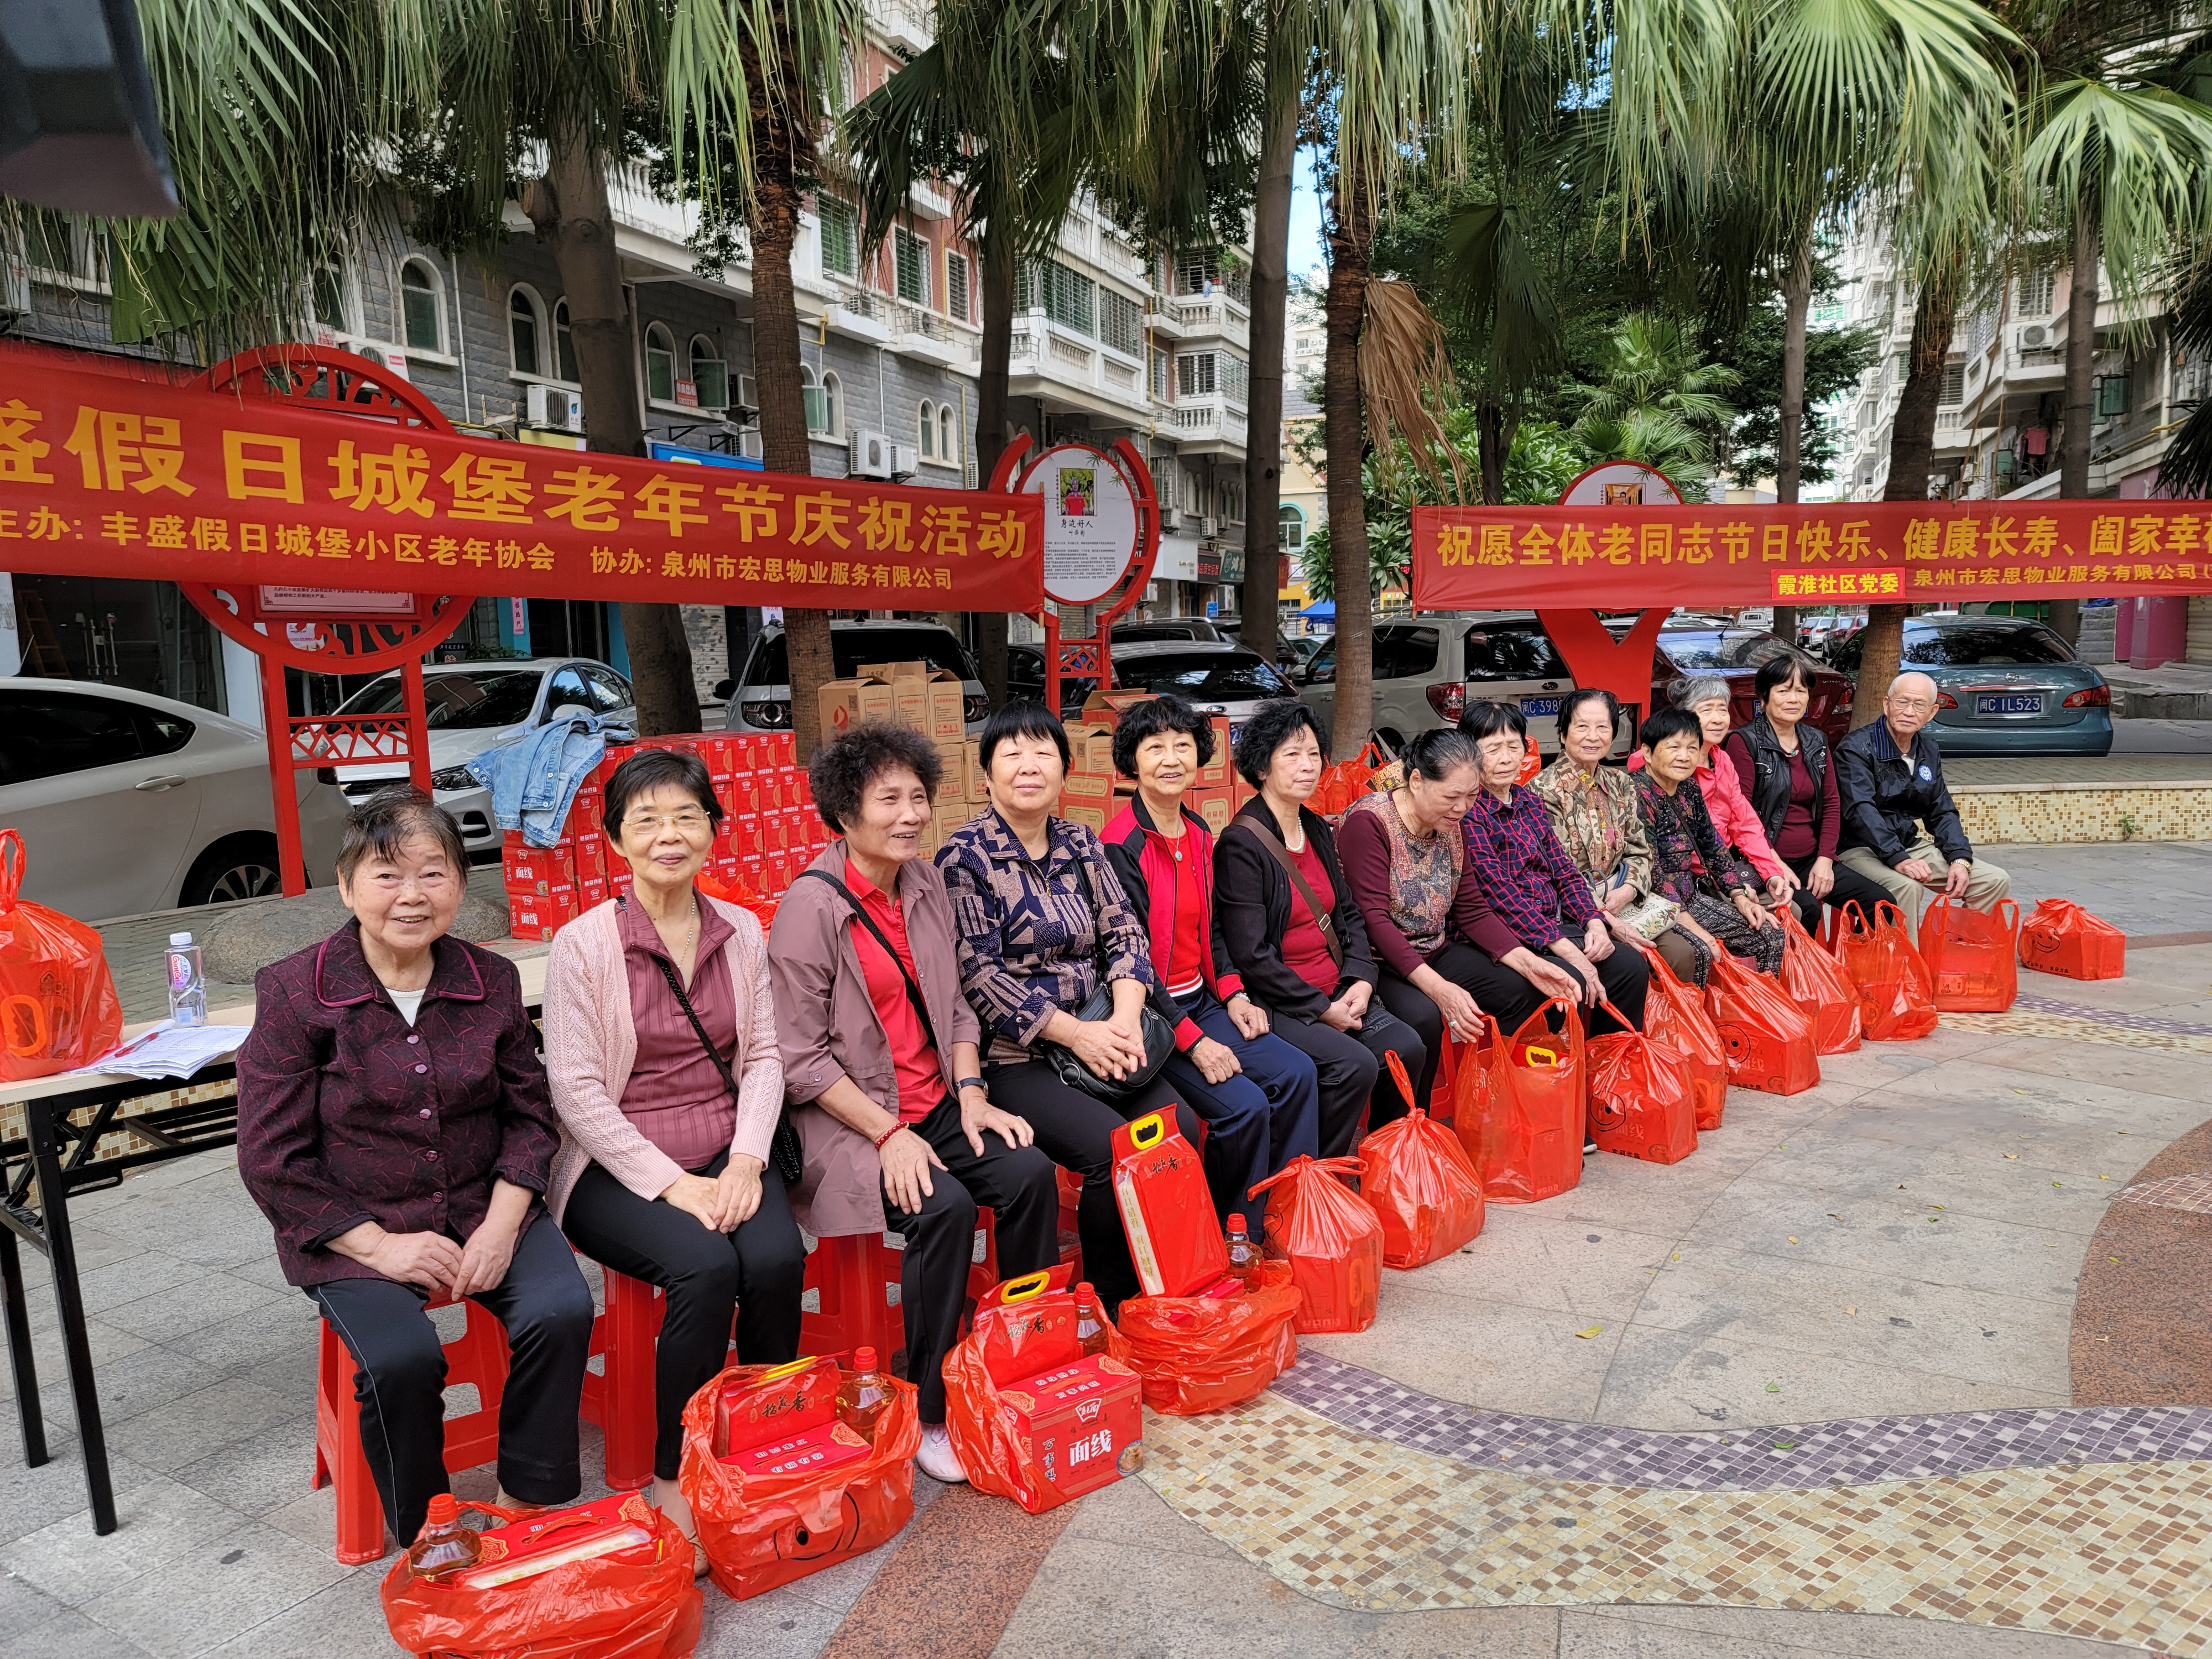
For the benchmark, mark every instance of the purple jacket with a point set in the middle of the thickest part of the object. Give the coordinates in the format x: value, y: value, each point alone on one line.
x: 345, y: 1114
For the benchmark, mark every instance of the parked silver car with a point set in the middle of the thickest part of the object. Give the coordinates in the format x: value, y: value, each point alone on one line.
x: 475, y: 706
x: 129, y: 803
x: 759, y: 700
x: 1222, y: 677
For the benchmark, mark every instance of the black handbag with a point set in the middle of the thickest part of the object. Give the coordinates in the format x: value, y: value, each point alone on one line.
x: 783, y: 1148
x: 1158, y: 1031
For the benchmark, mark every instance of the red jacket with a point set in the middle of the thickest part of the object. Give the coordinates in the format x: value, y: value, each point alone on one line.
x: 1145, y: 860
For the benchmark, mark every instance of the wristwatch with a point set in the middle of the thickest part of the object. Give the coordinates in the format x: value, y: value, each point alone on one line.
x: 971, y: 1083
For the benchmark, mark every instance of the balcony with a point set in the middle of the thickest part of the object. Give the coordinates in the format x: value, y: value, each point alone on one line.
x: 1213, y: 317
x: 1210, y: 425
x: 863, y: 314
x: 1161, y: 319
x: 926, y: 335
x: 1059, y: 365
x: 902, y: 23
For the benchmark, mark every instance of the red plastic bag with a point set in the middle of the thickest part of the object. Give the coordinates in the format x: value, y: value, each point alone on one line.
x: 1973, y: 956
x: 765, y: 1530
x: 1769, y: 1042
x: 1421, y: 1185
x: 1167, y: 1210
x: 625, y: 1606
x: 1819, y: 988
x: 1640, y: 1103
x: 987, y: 1428
x: 732, y: 889
x: 1332, y: 1240
x: 59, y: 1009
x: 1896, y: 996
x: 1675, y: 1017
x: 1538, y: 1098
x: 1205, y: 1354
x: 2059, y: 937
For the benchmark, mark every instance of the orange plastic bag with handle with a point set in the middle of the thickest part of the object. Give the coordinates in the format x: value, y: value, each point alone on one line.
x: 1896, y: 996
x: 1205, y: 1354
x: 1421, y: 1183
x: 999, y: 1352
x: 1818, y: 985
x: 639, y: 1603
x: 1532, y: 1135
x: 59, y: 1009
x: 1640, y: 1103
x: 2059, y: 937
x: 1973, y: 956
x: 1675, y: 1017
x: 763, y: 1531
x: 1768, y: 1039
x: 1332, y: 1240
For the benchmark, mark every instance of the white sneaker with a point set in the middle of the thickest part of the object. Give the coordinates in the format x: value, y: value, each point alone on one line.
x: 936, y: 1458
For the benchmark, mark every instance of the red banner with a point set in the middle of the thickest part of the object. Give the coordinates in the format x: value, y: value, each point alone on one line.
x: 102, y: 475
x: 1844, y: 553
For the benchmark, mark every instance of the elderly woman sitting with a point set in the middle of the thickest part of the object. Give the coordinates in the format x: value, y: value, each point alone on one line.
x: 880, y: 1047
x: 1690, y: 864
x: 394, y: 1125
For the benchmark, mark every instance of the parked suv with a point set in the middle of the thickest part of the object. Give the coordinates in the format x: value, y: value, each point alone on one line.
x: 759, y: 700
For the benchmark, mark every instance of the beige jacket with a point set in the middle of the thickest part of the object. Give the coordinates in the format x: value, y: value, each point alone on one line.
x: 590, y: 1044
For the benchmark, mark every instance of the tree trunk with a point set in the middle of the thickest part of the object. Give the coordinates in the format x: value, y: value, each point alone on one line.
x: 1912, y: 442
x: 1351, y: 238
x: 782, y: 153
x: 1796, y: 303
x: 568, y: 206
x: 2080, y: 394
x: 1260, y: 603
x: 998, y: 261
x: 1494, y: 446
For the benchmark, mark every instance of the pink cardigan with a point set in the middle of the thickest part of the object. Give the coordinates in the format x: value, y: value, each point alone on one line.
x: 1730, y: 810
x: 590, y: 1043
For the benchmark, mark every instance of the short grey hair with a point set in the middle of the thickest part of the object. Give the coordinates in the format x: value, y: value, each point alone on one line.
x: 1911, y: 674
x: 1690, y: 691
x: 388, y: 820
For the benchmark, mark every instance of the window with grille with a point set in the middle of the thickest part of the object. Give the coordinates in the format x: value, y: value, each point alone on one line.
x: 1197, y: 268
x: 1194, y: 375
x: 1070, y: 300
x: 2035, y: 293
x: 659, y: 364
x: 1234, y: 377
x: 1121, y: 322
x: 956, y: 286
x: 911, y: 255
x: 1160, y: 375
x: 421, y: 321
x: 841, y: 237
x: 1955, y: 386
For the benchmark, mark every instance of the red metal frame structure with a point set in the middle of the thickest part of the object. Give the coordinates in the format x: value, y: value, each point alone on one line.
x: 1090, y: 659
x: 324, y: 637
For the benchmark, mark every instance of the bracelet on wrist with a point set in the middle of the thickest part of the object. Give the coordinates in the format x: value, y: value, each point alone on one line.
x: 887, y: 1134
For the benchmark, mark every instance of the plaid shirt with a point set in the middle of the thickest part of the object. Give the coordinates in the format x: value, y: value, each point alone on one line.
x: 1525, y: 874
x: 1027, y: 945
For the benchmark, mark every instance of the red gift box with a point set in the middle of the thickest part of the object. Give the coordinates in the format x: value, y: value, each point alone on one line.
x: 530, y: 871
x: 828, y: 1446
x: 759, y: 1408
x: 1167, y: 1209
x: 1080, y: 1422
x: 540, y: 915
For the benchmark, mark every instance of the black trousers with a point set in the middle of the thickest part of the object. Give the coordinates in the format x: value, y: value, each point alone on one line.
x: 547, y: 1309
x: 1509, y: 999
x: 1020, y: 1187
x: 1351, y: 1073
x: 1076, y: 1131
x: 756, y: 1274
x: 1851, y: 885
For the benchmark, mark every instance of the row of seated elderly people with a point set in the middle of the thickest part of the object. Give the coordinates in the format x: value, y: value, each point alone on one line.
x: 879, y: 1057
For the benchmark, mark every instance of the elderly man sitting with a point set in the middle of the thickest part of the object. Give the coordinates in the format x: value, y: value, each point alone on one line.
x: 1900, y: 829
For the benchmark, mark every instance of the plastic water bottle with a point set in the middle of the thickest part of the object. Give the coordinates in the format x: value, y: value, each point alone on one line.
x: 1244, y: 1258
x: 444, y: 1546
x: 861, y: 1397
x: 1089, y: 1325
x: 187, y: 983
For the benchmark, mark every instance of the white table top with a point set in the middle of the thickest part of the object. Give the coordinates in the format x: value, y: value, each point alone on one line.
x: 532, y: 968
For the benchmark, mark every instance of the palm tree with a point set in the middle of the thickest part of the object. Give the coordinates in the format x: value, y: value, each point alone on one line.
x: 1658, y: 404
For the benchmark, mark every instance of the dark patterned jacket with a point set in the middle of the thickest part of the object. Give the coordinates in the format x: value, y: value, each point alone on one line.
x: 1027, y: 933
x: 347, y: 1115
x: 1687, y: 857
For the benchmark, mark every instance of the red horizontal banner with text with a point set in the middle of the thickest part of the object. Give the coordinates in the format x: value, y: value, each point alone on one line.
x: 107, y: 476
x: 1851, y: 552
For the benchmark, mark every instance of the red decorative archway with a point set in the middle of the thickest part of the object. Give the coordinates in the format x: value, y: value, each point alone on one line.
x: 328, y: 631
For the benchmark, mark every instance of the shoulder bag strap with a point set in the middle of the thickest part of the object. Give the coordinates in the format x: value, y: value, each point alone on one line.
x: 668, y: 972
x: 1322, y: 918
x: 859, y: 915
x: 1097, y: 921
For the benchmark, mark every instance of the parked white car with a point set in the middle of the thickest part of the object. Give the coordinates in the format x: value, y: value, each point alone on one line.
x: 129, y: 803
x: 475, y: 706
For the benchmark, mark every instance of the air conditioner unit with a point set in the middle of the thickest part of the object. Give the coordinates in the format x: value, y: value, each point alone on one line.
x: 871, y: 455
x: 1209, y: 527
x: 1170, y: 518
x: 2033, y: 337
x: 15, y: 287
x: 749, y: 445
x: 551, y: 407
x: 906, y: 461
x: 749, y: 398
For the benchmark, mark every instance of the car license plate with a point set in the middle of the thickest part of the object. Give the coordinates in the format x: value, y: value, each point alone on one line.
x: 1532, y: 705
x: 2010, y: 703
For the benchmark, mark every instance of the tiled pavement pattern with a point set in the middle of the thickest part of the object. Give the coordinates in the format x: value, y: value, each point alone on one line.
x: 2116, y: 1553
x: 2192, y: 1192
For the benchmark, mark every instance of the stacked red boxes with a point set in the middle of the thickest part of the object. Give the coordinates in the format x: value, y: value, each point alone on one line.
x: 542, y: 894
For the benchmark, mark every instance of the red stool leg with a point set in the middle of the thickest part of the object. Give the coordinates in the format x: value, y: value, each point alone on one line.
x: 633, y: 1319
x: 338, y: 1456
x: 478, y: 1356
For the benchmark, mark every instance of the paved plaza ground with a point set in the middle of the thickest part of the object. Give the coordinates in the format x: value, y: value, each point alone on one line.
x: 1910, y: 1364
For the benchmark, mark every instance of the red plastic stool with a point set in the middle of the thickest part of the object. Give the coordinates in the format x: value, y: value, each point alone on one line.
x: 849, y: 1275
x: 479, y: 1355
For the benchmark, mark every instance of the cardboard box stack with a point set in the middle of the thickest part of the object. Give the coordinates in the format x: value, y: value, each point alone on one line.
x: 770, y: 830
x: 931, y: 702
x: 1094, y: 792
